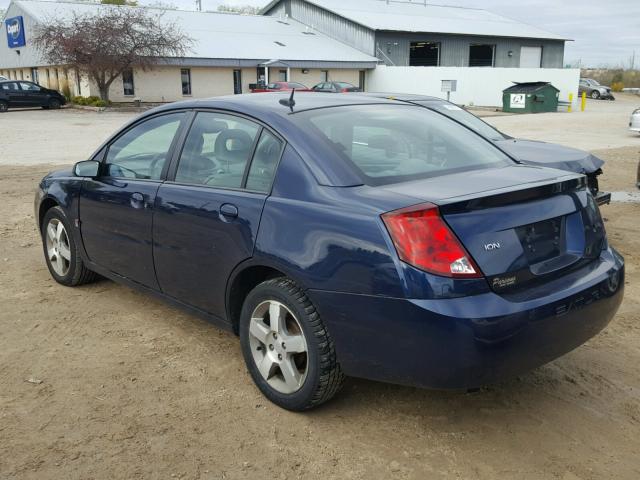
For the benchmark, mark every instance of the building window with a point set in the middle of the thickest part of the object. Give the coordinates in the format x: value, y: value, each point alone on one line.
x: 127, y: 83
x: 481, y: 55
x: 324, y: 75
x: 361, y: 79
x: 424, y: 54
x: 282, y: 76
x: 237, y: 82
x: 185, y: 78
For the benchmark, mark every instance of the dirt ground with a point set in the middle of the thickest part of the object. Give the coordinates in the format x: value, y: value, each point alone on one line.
x: 101, y: 382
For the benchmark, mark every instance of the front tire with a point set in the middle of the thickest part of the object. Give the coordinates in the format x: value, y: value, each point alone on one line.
x: 286, y: 347
x: 54, y: 104
x: 595, y: 95
x: 61, y: 252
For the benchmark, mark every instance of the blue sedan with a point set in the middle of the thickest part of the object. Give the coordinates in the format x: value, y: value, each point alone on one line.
x: 340, y: 236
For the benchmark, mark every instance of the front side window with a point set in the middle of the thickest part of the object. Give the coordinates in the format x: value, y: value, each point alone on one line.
x: 127, y: 83
x: 394, y: 143
x: 143, y: 150
x: 481, y: 55
x: 217, y: 150
x: 185, y: 77
x: 29, y: 87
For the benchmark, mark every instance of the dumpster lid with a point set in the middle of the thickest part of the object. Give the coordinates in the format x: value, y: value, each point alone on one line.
x: 527, y: 87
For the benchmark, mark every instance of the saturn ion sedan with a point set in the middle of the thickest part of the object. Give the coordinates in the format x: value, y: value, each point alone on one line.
x: 340, y: 236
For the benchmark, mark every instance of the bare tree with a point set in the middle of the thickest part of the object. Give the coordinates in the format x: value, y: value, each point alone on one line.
x: 109, y: 42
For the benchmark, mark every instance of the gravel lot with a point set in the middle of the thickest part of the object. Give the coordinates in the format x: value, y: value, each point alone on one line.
x: 101, y: 382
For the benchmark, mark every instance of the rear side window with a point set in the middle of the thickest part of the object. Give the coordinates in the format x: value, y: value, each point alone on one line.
x: 265, y: 161
x: 9, y: 86
x: 217, y: 150
x: 394, y: 143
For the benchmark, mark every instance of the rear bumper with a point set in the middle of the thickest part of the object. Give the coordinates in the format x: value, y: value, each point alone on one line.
x: 471, y: 341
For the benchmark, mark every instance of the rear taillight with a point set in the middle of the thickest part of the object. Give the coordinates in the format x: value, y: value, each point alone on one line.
x: 424, y: 240
x: 344, y: 90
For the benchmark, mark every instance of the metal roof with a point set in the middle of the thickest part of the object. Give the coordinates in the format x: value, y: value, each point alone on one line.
x: 419, y: 16
x: 253, y: 38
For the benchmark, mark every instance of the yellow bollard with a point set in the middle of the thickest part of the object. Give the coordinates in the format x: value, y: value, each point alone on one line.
x: 584, y: 101
x: 570, y: 103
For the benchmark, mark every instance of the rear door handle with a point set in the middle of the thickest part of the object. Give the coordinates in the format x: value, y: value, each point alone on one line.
x: 229, y: 210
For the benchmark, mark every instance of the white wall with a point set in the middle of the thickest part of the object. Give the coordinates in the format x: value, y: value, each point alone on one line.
x: 476, y: 86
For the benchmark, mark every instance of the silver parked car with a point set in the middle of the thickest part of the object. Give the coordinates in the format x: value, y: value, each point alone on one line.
x: 634, y: 123
x: 594, y: 89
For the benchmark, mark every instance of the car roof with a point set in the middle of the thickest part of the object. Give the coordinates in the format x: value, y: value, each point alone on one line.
x: 403, y: 97
x: 270, y: 102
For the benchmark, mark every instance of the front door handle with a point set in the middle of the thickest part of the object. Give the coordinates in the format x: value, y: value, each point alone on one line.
x: 229, y: 210
x: 137, y: 200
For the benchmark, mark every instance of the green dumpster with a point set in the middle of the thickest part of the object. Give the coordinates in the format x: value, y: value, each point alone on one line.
x: 530, y: 97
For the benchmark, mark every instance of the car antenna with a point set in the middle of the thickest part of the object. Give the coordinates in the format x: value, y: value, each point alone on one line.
x: 289, y: 102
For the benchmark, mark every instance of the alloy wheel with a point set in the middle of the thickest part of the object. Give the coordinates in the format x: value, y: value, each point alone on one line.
x: 58, y: 249
x: 278, y: 346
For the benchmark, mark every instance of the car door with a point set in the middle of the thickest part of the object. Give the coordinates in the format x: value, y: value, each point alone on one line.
x: 116, y: 208
x: 208, y: 211
x: 33, y: 95
x: 13, y: 94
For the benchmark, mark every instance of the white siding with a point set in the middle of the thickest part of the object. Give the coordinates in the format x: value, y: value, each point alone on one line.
x: 476, y: 85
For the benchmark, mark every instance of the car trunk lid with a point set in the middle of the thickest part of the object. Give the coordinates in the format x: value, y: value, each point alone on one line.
x: 520, y: 224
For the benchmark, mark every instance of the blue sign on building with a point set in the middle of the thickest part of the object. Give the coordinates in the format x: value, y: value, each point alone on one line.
x: 15, y: 32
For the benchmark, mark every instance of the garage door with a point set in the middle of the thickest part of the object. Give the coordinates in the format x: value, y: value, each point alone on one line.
x: 530, y: 57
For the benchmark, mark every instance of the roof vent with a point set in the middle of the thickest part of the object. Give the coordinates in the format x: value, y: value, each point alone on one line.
x: 279, y: 43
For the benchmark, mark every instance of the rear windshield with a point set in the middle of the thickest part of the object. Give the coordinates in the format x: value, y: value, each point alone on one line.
x: 395, y: 143
x: 467, y: 119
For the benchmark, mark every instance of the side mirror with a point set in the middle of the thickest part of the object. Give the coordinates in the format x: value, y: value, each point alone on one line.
x: 88, y: 168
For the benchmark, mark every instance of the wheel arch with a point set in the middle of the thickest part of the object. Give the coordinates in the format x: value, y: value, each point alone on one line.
x: 45, y: 205
x: 245, y: 278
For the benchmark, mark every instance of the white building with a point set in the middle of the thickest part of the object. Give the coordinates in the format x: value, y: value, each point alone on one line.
x: 229, y: 53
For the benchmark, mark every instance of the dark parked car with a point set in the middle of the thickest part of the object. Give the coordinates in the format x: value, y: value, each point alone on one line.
x: 594, y: 90
x: 20, y: 93
x: 531, y: 152
x: 279, y: 87
x: 335, y: 87
x: 340, y: 235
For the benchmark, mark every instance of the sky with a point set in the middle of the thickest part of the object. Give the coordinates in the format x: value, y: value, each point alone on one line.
x: 605, y: 33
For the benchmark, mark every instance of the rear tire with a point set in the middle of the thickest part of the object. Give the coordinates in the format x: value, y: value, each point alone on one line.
x: 61, y: 252
x: 4, y: 106
x: 292, y: 360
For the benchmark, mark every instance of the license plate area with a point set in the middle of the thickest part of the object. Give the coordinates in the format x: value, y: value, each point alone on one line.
x: 543, y: 240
